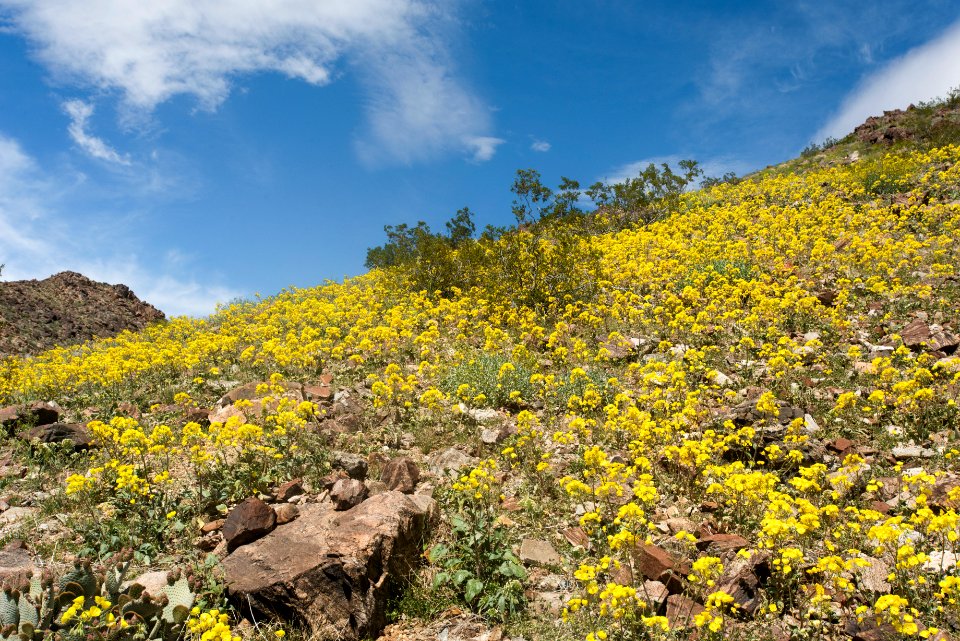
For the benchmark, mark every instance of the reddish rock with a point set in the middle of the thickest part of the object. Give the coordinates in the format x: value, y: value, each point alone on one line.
x: 327, y: 482
x: 322, y: 394
x: 247, y: 522
x: 35, y: 414
x: 348, y: 493
x: 289, y: 490
x: 880, y: 506
x: 709, y: 506
x: 681, y: 611
x: 576, y: 537
x: 400, y: 474
x: 719, y: 543
x: 655, y: 563
x: 330, y: 571
x: 840, y: 445
x: 16, y: 563
x: 212, y: 526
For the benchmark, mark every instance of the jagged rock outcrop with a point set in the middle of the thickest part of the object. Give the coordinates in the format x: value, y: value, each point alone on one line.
x: 65, y: 309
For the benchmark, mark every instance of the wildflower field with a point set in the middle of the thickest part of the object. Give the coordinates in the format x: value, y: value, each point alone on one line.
x: 746, y: 427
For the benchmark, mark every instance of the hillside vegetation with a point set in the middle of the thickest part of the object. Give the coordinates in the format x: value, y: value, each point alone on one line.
x: 737, y: 419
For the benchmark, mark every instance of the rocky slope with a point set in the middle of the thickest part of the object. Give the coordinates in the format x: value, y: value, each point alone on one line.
x: 66, y: 308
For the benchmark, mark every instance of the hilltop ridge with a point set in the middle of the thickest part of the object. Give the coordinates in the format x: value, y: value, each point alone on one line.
x: 65, y: 309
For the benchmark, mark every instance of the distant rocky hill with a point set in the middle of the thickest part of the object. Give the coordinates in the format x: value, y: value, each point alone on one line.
x: 64, y: 309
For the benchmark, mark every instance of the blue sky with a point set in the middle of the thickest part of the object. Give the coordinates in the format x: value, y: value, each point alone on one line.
x: 200, y: 150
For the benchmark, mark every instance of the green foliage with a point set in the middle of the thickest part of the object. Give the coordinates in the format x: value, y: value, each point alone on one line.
x: 476, y: 564
x: 729, y: 178
x: 483, y: 376
x: 815, y: 148
x: 649, y: 196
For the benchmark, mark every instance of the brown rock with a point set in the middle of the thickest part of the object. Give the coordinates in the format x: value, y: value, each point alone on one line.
x: 742, y: 580
x: 289, y: 490
x: 827, y: 297
x: 719, y: 543
x: 681, y: 611
x: 880, y: 506
x: 840, y: 445
x: 348, y: 493
x: 652, y: 561
x: 247, y: 522
x: 538, y: 552
x: 286, y: 512
x: 709, y: 506
x: 353, y: 464
x: 212, y: 526
x: 66, y: 309
x: 332, y: 571
x: 322, y: 394
x: 916, y: 334
x: 328, y: 481
x: 37, y: 413
x: 76, y: 433
x: 400, y: 474
x: 16, y: 564
x: 576, y: 537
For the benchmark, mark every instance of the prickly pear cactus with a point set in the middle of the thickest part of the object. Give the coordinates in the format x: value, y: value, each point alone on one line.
x: 179, y: 601
x: 33, y: 612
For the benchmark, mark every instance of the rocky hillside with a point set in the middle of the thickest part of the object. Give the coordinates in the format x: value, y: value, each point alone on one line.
x: 66, y: 309
x: 746, y: 427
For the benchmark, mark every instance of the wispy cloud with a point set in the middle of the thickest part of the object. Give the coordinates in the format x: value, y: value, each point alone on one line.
x: 926, y: 72
x: 149, y: 52
x: 80, y: 112
x: 483, y: 147
x: 41, y: 235
x: 541, y: 146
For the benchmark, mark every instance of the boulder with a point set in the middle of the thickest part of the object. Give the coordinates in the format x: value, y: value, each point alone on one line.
x: 743, y: 578
x: 538, y: 552
x: 400, y: 474
x: 153, y: 582
x: 16, y: 564
x: 348, y: 493
x: 288, y: 490
x: 37, y: 413
x: 353, y: 464
x: 76, y: 433
x: 450, y: 461
x: 247, y: 522
x: 332, y: 572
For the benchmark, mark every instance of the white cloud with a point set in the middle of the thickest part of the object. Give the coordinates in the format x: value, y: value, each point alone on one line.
x: 926, y: 72
x: 80, y: 112
x: 152, y: 51
x: 482, y: 147
x: 540, y: 145
x: 40, y: 235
